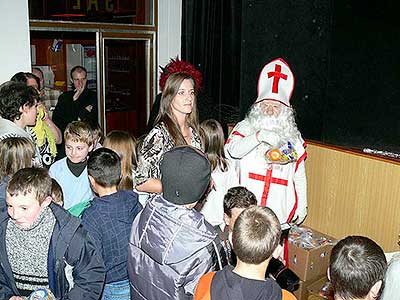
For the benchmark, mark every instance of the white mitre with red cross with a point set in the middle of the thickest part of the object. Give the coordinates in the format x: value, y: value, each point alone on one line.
x: 276, y: 82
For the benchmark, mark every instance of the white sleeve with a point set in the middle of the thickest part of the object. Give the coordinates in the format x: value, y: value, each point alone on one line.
x: 241, y: 141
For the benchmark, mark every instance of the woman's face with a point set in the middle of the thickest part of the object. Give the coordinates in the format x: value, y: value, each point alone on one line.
x: 182, y: 104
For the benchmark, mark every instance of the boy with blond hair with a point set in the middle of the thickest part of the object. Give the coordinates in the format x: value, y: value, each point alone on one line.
x: 41, y: 241
x: 71, y: 171
x: 255, y: 240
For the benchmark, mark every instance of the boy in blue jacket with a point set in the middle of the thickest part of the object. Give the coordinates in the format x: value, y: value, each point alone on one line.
x: 41, y: 242
x: 109, y: 219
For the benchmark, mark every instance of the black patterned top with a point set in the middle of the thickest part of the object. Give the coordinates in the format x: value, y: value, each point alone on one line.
x: 156, y: 143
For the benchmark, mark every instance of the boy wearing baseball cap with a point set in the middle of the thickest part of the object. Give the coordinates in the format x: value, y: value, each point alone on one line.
x: 171, y: 245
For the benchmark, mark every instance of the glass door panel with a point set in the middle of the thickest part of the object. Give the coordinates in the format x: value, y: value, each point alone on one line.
x: 126, y: 84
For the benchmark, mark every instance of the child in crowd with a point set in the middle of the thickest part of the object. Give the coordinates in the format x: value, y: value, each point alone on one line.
x: 56, y: 193
x: 236, y: 200
x: 356, y: 268
x: 97, y: 133
x: 18, y: 111
x: 255, y: 239
x: 109, y: 219
x: 15, y: 153
x: 41, y: 241
x: 45, y: 133
x: 171, y: 244
x: 223, y: 174
x: 71, y: 171
x: 125, y: 146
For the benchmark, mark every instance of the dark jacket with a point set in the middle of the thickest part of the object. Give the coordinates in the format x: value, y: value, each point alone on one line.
x: 109, y: 220
x: 70, y: 245
x: 227, y: 285
x: 170, y: 248
x: 68, y: 110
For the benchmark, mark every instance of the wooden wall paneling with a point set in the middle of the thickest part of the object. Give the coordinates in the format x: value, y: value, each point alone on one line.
x: 353, y: 194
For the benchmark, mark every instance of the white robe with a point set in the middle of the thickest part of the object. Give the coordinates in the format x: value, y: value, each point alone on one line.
x: 283, y: 188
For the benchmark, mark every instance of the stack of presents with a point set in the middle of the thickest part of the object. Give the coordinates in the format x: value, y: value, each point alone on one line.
x: 309, y: 252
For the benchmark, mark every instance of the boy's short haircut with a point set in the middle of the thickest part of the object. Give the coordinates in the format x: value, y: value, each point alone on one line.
x: 79, y: 132
x: 355, y: 265
x: 31, y: 180
x: 256, y: 234
x: 56, y: 192
x: 104, y: 165
x: 238, y: 197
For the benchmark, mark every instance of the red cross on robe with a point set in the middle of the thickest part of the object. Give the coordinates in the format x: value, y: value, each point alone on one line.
x: 267, y: 179
x: 277, y: 74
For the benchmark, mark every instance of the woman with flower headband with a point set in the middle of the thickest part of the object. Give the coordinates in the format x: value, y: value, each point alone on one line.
x: 176, y: 124
x: 174, y: 66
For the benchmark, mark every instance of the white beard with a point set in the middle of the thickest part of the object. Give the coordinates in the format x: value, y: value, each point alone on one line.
x: 284, y: 125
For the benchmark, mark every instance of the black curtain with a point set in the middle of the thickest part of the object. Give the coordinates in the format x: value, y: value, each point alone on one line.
x: 211, y: 40
x: 343, y: 53
x: 230, y: 41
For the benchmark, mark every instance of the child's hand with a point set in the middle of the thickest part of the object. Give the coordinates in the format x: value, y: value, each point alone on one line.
x: 17, y: 298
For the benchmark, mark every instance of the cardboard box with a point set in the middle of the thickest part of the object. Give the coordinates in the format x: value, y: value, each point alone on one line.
x: 302, y: 292
x: 321, y: 289
x: 309, y: 252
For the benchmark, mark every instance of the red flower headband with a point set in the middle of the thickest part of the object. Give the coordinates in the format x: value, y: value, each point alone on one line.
x: 175, y: 66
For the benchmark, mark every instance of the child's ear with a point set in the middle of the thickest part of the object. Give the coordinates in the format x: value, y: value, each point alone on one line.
x: 374, y: 291
x: 23, y: 108
x: 92, y: 182
x: 46, y: 202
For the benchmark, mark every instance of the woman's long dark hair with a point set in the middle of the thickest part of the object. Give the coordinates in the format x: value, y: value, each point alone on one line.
x: 166, y: 114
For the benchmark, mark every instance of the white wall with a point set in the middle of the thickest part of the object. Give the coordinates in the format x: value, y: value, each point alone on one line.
x: 15, y: 43
x: 14, y: 38
x: 169, y: 32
